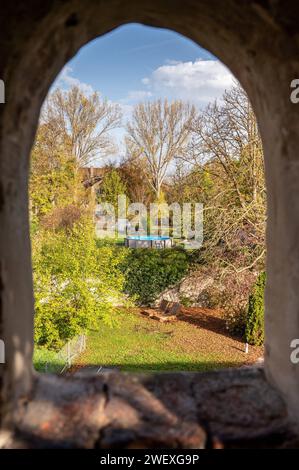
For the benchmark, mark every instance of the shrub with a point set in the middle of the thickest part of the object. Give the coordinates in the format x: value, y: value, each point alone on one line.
x: 235, y: 321
x: 149, y: 272
x: 255, y: 315
x: 233, y: 299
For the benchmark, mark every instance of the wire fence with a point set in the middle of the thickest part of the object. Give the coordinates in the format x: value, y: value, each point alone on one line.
x: 68, y: 353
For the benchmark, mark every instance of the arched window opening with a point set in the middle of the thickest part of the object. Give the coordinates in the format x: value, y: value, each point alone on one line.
x: 147, y: 209
x: 256, y: 42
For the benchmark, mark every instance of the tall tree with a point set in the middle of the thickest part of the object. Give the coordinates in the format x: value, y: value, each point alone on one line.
x: 227, y: 146
x: 81, y: 123
x: 160, y: 132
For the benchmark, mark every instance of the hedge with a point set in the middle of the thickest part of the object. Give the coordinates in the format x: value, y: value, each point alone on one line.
x: 148, y: 272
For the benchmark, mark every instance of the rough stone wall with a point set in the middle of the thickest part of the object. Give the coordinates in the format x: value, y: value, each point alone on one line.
x: 232, y: 409
x: 257, y: 39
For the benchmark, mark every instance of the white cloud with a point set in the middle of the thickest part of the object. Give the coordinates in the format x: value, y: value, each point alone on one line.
x: 66, y: 79
x: 138, y: 95
x: 200, y: 82
x: 172, y: 62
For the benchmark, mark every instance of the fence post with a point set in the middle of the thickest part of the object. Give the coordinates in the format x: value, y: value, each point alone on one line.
x: 68, y: 354
x: 71, y: 350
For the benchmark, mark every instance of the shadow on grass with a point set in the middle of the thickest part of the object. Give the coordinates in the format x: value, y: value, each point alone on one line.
x: 47, y: 361
x: 208, y: 322
x: 169, y: 366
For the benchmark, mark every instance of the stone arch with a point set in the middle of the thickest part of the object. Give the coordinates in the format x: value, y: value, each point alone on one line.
x: 257, y: 40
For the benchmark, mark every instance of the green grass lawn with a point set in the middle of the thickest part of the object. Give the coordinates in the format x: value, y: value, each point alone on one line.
x: 47, y: 361
x: 142, y: 344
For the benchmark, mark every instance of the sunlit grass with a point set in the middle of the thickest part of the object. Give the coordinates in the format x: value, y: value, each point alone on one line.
x: 142, y: 344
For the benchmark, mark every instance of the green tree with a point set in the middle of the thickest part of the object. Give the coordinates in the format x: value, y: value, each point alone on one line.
x: 111, y: 187
x: 254, y: 332
x: 76, y: 283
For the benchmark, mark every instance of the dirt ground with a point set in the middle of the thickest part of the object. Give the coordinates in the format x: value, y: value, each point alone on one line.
x: 211, y: 335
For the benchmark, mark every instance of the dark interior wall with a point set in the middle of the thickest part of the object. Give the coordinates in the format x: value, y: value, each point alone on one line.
x: 257, y: 40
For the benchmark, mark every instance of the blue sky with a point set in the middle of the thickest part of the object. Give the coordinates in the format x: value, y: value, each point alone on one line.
x: 135, y: 63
